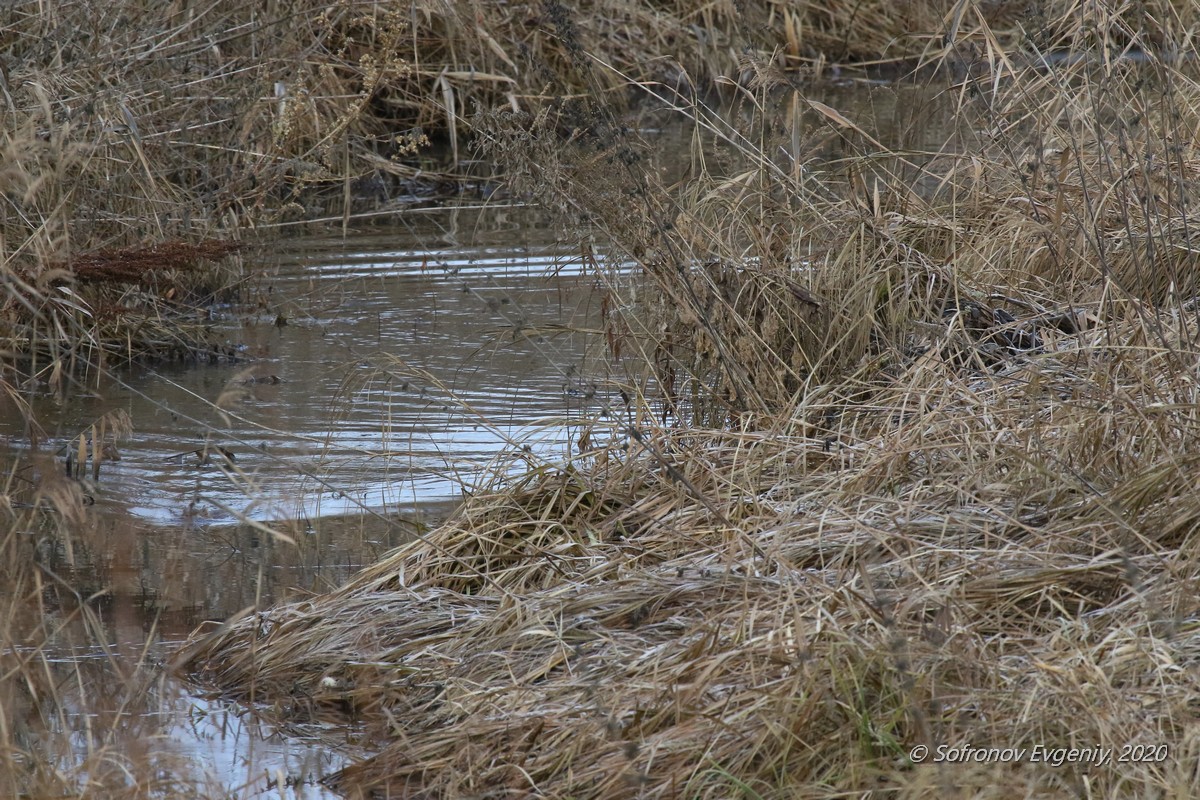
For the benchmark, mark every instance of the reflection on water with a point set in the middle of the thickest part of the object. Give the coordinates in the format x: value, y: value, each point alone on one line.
x: 254, y: 759
x: 381, y: 371
x: 108, y: 604
x: 177, y: 744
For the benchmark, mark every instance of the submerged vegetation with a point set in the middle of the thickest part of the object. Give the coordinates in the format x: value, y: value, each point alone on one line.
x: 905, y: 451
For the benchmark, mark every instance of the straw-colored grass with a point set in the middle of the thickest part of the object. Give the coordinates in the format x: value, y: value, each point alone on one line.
x: 921, y: 525
x: 885, y: 515
x: 994, y: 560
x: 197, y: 123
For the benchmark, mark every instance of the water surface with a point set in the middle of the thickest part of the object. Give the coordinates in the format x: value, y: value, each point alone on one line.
x: 383, y: 372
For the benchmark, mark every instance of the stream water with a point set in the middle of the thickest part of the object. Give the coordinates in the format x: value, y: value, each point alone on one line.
x: 379, y: 372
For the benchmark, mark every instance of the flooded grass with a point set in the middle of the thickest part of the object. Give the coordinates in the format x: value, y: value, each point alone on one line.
x: 884, y: 485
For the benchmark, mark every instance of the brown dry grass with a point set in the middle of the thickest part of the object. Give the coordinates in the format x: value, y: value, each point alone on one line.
x: 895, y: 530
x: 905, y: 530
x: 131, y: 125
x: 1004, y: 560
x: 194, y: 123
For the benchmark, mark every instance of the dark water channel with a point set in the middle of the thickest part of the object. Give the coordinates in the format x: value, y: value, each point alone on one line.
x: 381, y: 371
x: 378, y: 372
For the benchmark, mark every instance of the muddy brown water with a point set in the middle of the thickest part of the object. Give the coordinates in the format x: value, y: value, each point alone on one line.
x: 378, y: 379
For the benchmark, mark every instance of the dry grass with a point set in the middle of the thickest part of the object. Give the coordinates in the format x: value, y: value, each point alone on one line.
x: 200, y: 123
x: 949, y: 501
x: 894, y: 520
x: 1004, y: 560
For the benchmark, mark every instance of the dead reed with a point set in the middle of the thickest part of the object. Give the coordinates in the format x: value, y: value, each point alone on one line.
x: 942, y: 489
x: 948, y: 503
x: 190, y: 124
